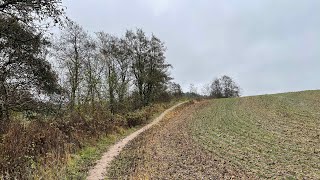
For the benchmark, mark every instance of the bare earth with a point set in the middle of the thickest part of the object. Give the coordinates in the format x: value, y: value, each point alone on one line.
x: 99, y: 171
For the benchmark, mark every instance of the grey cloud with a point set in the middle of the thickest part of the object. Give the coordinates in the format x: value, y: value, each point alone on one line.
x: 267, y: 46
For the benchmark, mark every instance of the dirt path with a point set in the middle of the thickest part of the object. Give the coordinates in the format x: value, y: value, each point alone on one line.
x: 168, y: 151
x: 98, y: 172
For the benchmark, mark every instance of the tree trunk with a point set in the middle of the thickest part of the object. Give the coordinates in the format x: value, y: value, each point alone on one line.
x: 73, y: 97
x: 4, y: 112
x: 75, y: 78
x: 111, y: 83
x: 141, y: 94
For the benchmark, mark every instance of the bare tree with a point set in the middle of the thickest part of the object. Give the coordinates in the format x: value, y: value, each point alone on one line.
x: 108, y: 49
x: 93, y: 69
x: 206, y: 90
x: 123, y: 70
x: 70, y: 50
x: 175, y: 89
x: 193, y: 89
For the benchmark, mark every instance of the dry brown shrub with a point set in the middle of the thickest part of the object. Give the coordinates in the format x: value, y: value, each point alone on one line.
x: 23, y: 145
x: 136, y: 118
x: 26, y: 146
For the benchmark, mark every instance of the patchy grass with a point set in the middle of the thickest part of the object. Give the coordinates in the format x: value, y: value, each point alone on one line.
x: 76, y: 166
x: 79, y: 164
x: 271, y: 136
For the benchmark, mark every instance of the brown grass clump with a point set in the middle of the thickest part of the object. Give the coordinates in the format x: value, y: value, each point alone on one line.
x: 140, y: 117
x: 22, y: 145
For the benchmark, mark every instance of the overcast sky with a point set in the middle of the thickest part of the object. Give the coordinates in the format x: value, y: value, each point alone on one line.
x: 267, y: 46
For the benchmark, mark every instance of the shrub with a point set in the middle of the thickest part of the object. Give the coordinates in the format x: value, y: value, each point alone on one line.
x: 26, y: 147
x: 23, y: 145
x: 136, y: 118
x: 140, y: 117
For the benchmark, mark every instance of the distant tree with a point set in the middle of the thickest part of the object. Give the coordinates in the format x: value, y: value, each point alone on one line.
x: 230, y: 88
x: 193, y: 92
x: 193, y: 89
x: 224, y: 87
x: 206, y: 90
x: 175, y: 89
x: 216, y: 89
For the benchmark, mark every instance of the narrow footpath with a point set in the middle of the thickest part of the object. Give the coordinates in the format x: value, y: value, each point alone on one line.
x: 100, y: 169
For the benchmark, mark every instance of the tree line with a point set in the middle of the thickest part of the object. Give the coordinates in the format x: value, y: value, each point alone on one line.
x: 223, y: 87
x: 123, y: 73
x: 117, y: 69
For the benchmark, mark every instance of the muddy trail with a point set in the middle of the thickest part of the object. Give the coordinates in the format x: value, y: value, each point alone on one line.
x: 168, y: 151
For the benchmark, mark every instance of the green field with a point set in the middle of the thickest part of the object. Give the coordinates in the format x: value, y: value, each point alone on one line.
x: 270, y: 136
x: 260, y: 137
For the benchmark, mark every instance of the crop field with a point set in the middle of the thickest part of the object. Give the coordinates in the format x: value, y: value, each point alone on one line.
x: 261, y: 137
x: 270, y: 136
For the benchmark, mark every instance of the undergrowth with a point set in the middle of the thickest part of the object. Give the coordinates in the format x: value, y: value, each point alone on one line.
x: 65, y: 148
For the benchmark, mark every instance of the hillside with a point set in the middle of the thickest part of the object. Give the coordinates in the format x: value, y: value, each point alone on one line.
x: 270, y: 136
